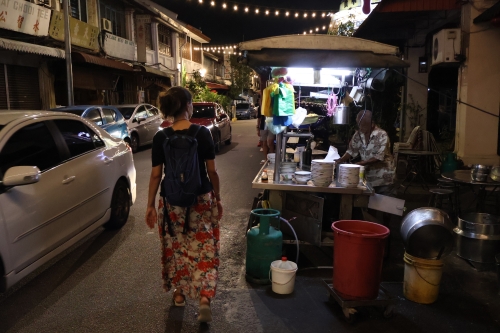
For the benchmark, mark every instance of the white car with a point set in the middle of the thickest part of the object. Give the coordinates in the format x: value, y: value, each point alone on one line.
x: 143, y: 121
x: 61, y: 177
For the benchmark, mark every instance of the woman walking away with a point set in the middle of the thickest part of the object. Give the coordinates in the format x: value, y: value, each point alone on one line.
x: 189, y: 233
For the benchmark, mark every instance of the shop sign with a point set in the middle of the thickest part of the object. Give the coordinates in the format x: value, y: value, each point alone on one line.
x: 82, y: 34
x: 140, y: 25
x: 25, y: 17
x: 119, y: 47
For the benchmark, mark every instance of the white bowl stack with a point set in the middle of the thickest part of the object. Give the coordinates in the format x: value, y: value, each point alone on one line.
x: 322, y: 172
x: 348, y: 175
x: 271, y: 158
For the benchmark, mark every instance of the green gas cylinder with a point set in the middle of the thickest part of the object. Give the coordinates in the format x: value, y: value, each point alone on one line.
x: 263, y: 246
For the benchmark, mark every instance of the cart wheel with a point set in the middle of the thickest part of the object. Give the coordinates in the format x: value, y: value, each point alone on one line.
x: 349, y: 314
x: 388, y: 311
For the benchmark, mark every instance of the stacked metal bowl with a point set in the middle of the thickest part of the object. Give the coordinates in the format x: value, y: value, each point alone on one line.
x: 480, y: 172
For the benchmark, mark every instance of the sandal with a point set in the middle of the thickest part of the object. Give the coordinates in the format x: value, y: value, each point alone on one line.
x: 205, y: 315
x: 183, y: 303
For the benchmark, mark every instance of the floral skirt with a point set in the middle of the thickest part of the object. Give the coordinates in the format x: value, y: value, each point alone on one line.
x: 191, y: 261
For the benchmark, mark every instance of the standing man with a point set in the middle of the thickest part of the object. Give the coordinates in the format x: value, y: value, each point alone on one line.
x: 266, y: 136
x: 373, y: 145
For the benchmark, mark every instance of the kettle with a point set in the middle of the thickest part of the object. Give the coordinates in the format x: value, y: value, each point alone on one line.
x: 450, y: 163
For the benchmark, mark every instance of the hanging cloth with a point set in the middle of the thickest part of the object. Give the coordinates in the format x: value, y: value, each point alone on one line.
x: 267, y: 106
x: 284, y: 100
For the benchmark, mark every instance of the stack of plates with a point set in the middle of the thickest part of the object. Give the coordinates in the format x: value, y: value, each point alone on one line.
x: 322, y: 172
x: 348, y: 175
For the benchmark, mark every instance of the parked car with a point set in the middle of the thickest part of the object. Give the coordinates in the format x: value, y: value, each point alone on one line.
x: 213, y: 116
x: 105, y: 116
x: 245, y: 111
x: 61, y: 178
x: 143, y: 121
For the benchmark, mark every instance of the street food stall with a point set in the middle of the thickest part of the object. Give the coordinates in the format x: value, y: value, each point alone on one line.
x: 307, y: 201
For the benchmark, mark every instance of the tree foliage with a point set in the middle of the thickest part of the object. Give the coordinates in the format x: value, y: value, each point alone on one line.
x: 240, y: 77
x: 347, y: 28
x: 201, y: 93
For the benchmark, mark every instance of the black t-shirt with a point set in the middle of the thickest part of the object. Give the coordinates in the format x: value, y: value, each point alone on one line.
x: 206, y: 151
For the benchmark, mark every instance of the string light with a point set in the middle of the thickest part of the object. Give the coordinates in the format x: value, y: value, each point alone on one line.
x: 246, y: 9
x: 310, y: 31
x: 313, y: 14
x: 305, y: 32
x: 324, y: 27
x: 296, y: 14
x: 305, y: 15
x: 200, y: 1
x: 277, y: 12
x: 287, y: 13
x: 224, y: 6
x: 212, y: 3
x: 323, y: 14
x: 257, y: 11
x: 235, y: 7
x: 267, y: 12
x: 317, y: 29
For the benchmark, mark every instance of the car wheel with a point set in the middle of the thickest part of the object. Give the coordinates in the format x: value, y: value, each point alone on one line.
x: 120, y: 206
x: 217, y: 143
x: 134, y: 143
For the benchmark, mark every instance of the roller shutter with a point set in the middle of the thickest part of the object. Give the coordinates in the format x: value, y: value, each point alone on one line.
x: 24, y: 89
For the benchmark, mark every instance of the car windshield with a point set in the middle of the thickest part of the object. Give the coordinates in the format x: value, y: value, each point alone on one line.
x: 126, y: 111
x: 203, y: 111
x: 242, y: 106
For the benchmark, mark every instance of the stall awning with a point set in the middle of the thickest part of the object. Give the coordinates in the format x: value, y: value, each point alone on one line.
x: 154, y: 71
x: 319, y: 51
x: 217, y: 86
x: 80, y: 57
x: 15, y: 45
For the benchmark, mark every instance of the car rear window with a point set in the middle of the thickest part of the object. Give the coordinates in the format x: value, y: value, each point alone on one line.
x: 126, y: 111
x: 242, y: 106
x: 203, y: 111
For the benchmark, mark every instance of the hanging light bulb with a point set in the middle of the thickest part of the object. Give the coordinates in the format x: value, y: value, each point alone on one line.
x: 310, y: 31
x: 212, y: 3
x: 324, y: 27
x: 296, y: 14
x: 235, y: 46
x: 239, y: 53
x: 200, y: 1
x: 277, y: 13
x: 305, y: 32
x: 305, y: 15
x: 224, y: 5
x: 235, y: 7
x: 287, y: 13
x: 323, y: 14
x: 257, y: 11
x: 246, y: 9
x: 267, y: 12
x: 313, y: 14
x: 317, y: 29
x: 331, y: 25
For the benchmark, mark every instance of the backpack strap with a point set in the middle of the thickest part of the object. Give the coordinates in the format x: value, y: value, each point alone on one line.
x: 169, y: 131
x: 193, y: 130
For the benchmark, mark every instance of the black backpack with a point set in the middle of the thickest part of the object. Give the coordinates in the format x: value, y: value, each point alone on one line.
x: 182, y: 182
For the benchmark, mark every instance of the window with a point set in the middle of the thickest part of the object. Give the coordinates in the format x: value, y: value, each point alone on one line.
x: 141, y: 112
x: 152, y: 111
x: 33, y: 145
x: 78, y: 9
x: 197, y: 51
x: 115, y: 12
x: 148, y: 36
x: 109, y: 115
x: 165, y: 40
x: 94, y: 116
x: 79, y: 138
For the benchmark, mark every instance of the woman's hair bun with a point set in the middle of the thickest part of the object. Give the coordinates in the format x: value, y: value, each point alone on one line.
x: 174, y: 101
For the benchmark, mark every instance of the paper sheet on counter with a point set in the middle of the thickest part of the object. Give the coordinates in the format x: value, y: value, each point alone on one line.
x: 333, y: 154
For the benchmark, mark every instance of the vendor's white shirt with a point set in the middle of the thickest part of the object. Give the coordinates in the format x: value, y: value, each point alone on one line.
x: 378, y: 146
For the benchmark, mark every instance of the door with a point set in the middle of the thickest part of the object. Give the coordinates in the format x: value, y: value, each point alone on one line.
x: 154, y: 120
x: 92, y: 166
x: 117, y: 129
x: 141, y: 125
x: 38, y: 217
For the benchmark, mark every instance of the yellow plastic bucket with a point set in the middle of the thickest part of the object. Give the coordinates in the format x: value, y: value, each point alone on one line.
x: 421, y: 279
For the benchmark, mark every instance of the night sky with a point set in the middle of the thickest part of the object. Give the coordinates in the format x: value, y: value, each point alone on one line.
x: 228, y: 27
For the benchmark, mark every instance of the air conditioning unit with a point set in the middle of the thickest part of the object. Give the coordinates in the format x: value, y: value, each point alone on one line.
x: 106, y: 25
x: 446, y: 44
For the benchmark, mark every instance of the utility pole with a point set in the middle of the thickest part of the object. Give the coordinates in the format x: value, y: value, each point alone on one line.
x: 67, y: 46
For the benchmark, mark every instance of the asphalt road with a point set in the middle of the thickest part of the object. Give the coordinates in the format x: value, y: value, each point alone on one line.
x: 111, y: 282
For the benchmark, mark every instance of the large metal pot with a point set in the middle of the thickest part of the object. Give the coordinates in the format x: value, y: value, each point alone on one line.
x: 478, y: 237
x: 427, y: 233
x: 341, y: 115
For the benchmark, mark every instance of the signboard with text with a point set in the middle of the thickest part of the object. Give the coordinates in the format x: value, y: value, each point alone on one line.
x: 227, y: 67
x: 82, y: 34
x: 119, y: 47
x: 140, y: 25
x: 25, y: 17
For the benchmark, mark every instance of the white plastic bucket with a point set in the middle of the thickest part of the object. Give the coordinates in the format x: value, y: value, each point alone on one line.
x: 283, y: 276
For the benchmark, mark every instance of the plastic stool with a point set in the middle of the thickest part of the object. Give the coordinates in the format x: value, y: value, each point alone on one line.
x: 437, y: 196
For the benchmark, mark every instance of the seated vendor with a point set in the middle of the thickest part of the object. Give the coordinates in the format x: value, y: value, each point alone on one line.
x: 373, y: 145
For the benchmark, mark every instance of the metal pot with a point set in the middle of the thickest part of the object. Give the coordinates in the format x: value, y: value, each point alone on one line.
x: 341, y: 115
x: 478, y: 237
x: 479, y: 172
x: 427, y: 233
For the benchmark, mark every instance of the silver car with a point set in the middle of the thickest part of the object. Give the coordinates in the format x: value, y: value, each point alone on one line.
x: 143, y: 121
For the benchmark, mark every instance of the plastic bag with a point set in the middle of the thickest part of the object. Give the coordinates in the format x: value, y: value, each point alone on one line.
x: 299, y: 116
x: 275, y: 129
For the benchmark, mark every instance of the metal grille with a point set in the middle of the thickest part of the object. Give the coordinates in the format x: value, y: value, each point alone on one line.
x: 165, y: 40
x: 24, y: 89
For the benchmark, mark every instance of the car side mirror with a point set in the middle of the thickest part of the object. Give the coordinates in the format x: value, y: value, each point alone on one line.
x: 21, y: 175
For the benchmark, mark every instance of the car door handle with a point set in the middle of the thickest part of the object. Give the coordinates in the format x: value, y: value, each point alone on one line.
x: 107, y: 160
x: 68, y: 180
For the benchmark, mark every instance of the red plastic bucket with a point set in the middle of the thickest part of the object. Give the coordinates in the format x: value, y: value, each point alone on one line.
x: 358, y: 252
